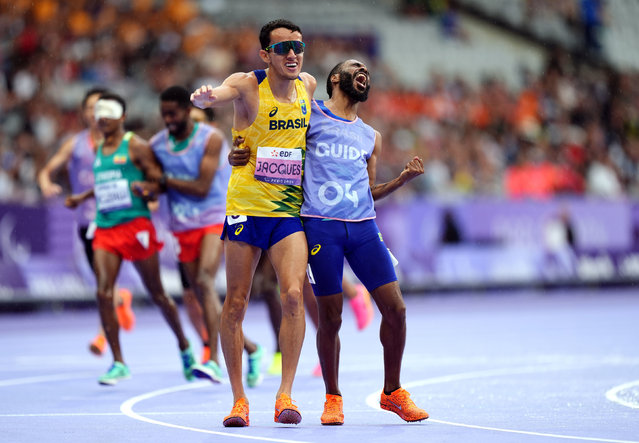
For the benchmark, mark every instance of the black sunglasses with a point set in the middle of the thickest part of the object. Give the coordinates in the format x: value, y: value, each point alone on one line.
x: 282, y: 48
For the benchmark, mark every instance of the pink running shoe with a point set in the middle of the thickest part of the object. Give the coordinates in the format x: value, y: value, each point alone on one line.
x: 362, y: 307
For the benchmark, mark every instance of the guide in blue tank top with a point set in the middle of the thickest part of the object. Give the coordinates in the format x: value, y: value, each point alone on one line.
x: 194, y: 160
x: 336, y: 182
x: 339, y: 221
x: 190, y: 211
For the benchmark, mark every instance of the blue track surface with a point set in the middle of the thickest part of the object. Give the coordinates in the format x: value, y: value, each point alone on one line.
x: 511, y: 367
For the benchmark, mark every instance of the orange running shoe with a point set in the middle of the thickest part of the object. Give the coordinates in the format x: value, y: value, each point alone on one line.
x: 239, y: 416
x: 97, y: 345
x: 362, y: 307
x: 206, y: 354
x: 286, y: 412
x: 333, y: 410
x: 126, y: 317
x: 400, y: 403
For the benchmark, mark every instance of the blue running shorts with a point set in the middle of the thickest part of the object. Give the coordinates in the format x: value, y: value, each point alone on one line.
x: 262, y: 232
x: 330, y: 241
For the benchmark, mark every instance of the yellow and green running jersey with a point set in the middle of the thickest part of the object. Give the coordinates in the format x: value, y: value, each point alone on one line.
x: 270, y: 184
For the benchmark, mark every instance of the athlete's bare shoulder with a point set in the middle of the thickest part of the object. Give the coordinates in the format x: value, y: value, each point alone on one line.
x: 214, y: 132
x: 309, y: 82
x: 138, y: 141
x: 242, y: 81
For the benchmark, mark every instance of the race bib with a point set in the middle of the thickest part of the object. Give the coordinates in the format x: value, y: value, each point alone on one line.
x: 113, y: 195
x: 279, y: 166
x: 235, y: 219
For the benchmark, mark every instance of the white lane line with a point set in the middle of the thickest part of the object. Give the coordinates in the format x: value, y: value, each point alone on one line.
x: 73, y: 375
x: 127, y: 409
x: 372, y: 400
x: 63, y: 414
x: 538, y: 434
x: 98, y: 414
x: 613, y: 394
x: 153, y: 414
x: 44, y: 378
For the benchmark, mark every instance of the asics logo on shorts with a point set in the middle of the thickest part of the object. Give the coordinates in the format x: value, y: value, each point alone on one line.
x: 316, y: 249
x: 239, y: 229
x: 235, y: 219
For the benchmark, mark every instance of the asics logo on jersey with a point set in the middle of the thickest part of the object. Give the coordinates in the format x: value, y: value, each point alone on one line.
x: 239, y: 229
x: 273, y: 111
x: 316, y: 249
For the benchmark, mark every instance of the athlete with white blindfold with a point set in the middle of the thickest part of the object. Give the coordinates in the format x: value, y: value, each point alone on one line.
x: 108, y: 108
x: 124, y: 229
x: 77, y: 154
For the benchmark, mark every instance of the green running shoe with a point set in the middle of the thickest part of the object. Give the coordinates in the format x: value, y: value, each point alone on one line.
x: 188, y: 362
x: 253, y: 376
x: 209, y: 370
x: 118, y: 371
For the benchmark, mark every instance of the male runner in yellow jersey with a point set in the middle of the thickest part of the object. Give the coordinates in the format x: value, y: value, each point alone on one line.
x: 271, y: 112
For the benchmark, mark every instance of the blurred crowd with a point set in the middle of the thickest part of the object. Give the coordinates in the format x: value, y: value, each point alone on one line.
x: 573, y: 129
x: 585, y: 18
